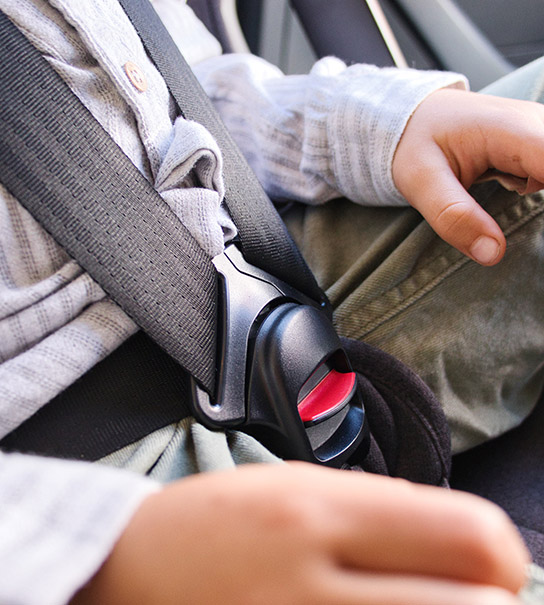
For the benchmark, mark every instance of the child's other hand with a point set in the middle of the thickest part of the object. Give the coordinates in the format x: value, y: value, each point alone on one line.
x: 303, y: 534
x: 453, y: 139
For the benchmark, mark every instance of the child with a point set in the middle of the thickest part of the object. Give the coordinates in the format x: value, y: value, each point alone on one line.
x: 275, y: 533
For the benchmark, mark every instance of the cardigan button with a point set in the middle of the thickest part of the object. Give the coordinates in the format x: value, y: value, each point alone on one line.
x: 136, y: 76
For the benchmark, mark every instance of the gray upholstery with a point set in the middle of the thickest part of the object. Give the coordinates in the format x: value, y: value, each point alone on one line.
x: 510, y: 471
x: 208, y: 11
x: 345, y: 29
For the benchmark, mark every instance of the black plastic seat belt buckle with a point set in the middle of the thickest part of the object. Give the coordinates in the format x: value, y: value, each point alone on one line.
x: 283, y: 375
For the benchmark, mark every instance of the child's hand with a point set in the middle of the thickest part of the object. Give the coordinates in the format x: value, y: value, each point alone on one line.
x: 302, y: 534
x: 452, y: 140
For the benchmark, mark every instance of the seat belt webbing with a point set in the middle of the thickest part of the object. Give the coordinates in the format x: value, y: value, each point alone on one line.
x: 75, y: 180
x: 264, y: 237
x: 133, y: 392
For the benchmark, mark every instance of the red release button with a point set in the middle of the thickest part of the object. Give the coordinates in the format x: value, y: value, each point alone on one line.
x: 329, y: 396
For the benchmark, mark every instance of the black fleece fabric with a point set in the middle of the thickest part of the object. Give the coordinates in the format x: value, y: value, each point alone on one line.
x: 410, y: 437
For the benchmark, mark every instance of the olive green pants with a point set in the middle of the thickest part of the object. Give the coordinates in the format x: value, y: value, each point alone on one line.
x: 474, y: 334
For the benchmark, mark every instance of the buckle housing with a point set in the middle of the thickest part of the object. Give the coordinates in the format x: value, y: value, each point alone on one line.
x: 283, y: 375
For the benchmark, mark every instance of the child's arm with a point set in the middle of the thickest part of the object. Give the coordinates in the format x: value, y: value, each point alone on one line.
x: 452, y: 139
x: 303, y: 534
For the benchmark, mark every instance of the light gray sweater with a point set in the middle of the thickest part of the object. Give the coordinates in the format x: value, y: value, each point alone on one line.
x: 310, y: 137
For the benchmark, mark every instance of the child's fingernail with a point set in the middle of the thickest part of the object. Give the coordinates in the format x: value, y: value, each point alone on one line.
x: 485, y: 250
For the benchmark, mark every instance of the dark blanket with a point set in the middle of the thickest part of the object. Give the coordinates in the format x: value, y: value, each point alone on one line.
x: 409, y: 434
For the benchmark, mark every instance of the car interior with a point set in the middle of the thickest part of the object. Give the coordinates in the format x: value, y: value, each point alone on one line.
x: 484, y: 39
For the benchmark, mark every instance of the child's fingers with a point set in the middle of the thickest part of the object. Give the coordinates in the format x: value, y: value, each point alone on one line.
x: 514, y: 137
x: 405, y: 529
x: 452, y: 212
x: 457, y: 138
x: 388, y: 589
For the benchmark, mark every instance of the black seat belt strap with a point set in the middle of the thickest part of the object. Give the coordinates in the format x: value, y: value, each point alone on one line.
x: 265, y: 241
x: 133, y: 392
x: 74, y: 179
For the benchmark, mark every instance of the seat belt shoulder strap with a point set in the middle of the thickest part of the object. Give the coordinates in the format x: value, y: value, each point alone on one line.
x: 116, y: 226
